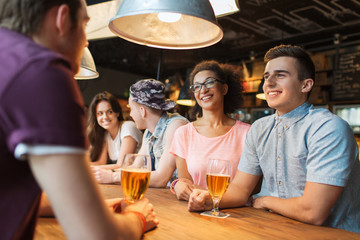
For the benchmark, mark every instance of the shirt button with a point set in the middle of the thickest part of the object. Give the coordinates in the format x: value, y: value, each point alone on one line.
x: 286, y: 126
x: 279, y: 158
x: 279, y: 135
x: 280, y: 183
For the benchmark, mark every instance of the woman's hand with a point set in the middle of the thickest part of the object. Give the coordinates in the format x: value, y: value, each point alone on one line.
x: 200, y: 200
x: 183, y: 189
x: 105, y: 175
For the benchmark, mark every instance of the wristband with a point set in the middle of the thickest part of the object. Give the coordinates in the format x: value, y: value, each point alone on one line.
x: 141, y: 217
x: 172, y: 185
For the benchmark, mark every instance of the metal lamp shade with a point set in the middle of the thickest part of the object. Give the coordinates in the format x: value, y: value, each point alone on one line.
x: 87, y: 67
x: 185, y: 96
x: 260, y: 94
x: 137, y: 21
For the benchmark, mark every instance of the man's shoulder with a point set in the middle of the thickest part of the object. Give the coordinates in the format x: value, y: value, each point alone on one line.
x: 264, y: 121
x: 19, y: 54
x: 318, y: 117
x: 24, y: 48
x: 175, y: 116
x: 178, y: 126
x: 176, y: 122
x: 20, y: 51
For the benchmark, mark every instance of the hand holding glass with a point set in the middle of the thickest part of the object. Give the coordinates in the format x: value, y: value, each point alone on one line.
x: 217, y: 180
x: 135, y: 176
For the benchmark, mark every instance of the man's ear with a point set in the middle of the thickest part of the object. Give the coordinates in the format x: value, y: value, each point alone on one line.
x: 307, y: 85
x: 143, y: 111
x: 63, y: 21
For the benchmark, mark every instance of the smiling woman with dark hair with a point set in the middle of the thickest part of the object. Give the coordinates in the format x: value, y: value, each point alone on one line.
x: 217, y: 91
x: 110, y: 136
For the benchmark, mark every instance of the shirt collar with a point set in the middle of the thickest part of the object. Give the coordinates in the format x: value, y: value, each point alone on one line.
x: 293, y: 116
x: 159, y: 126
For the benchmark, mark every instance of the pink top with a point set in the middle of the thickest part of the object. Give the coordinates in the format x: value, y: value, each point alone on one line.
x: 197, y: 149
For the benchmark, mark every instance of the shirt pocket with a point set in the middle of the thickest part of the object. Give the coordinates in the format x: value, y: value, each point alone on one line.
x: 296, y: 172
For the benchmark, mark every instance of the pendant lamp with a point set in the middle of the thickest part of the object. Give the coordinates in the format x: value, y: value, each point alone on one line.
x: 184, y: 96
x: 225, y: 7
x: 168, y: 24
x: 87, y: 68
x: 260, y: 94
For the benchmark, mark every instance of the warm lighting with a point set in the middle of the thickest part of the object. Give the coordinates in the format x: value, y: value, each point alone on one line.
x: 224, y: 7
x: 184, y: 96
x: 87, y: 68
x: 169, y: 17
x: 100, y: 15
x: 186, y: 102
x: 261, y: 94
x: 137, y: 21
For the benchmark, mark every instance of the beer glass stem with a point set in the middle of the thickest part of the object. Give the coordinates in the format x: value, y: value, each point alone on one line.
x: 215, y: 210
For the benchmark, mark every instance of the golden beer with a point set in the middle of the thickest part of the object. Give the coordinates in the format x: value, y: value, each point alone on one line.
x: 134, y: 183
x: 217, y: 184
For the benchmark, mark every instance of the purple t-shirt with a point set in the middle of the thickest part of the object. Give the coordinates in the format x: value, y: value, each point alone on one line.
x: 40, y: 103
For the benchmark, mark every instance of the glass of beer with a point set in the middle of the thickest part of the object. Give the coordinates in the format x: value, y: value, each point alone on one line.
x: 135, y: 176
x: 217, y: 180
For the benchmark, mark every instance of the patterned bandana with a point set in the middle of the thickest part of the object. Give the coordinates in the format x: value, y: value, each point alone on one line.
x: 151, y: 93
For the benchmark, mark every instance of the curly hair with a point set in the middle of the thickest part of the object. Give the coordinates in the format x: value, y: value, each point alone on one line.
x: 227, y: 73
x: 96, y: 133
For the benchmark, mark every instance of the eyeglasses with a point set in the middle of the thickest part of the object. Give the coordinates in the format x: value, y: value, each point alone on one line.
x: 208, y: 84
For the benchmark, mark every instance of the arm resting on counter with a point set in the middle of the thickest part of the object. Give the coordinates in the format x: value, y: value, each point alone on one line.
x: 240, y: 190
x: 166, y: 167
x: 312, y: 207
x: 237, y: 195
x: 76, y: 200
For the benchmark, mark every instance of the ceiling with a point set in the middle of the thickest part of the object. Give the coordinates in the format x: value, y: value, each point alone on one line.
x: 316, y: 25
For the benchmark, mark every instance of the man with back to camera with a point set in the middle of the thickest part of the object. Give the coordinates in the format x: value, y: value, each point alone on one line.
x: 42, y: 127
x: 308, y: 157
x: 148, y: 108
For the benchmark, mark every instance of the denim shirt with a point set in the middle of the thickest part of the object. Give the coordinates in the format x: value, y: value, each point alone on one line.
x: 157, y: 138
x: 306, y: 145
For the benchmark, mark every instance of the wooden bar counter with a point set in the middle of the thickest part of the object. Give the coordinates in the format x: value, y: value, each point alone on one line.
x: 176, y: 222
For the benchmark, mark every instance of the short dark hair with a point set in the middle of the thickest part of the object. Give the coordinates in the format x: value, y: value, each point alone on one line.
x: 26, y: 16
x: 94, y: 131
x: 306, y: 67
x: 227, y: 73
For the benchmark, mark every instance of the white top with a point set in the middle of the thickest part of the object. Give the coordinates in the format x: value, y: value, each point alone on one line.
x: 128, y: 128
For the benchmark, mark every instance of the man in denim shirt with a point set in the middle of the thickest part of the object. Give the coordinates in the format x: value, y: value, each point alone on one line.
x: 308, y: 157
x: 149, y: 111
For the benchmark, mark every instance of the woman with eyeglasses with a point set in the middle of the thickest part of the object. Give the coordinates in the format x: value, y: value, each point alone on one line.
x: 217, y: 90
x: 110, y: 136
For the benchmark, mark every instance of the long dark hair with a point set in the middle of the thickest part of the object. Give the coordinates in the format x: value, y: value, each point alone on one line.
x: 227, y: 73
x: 94, y: 131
